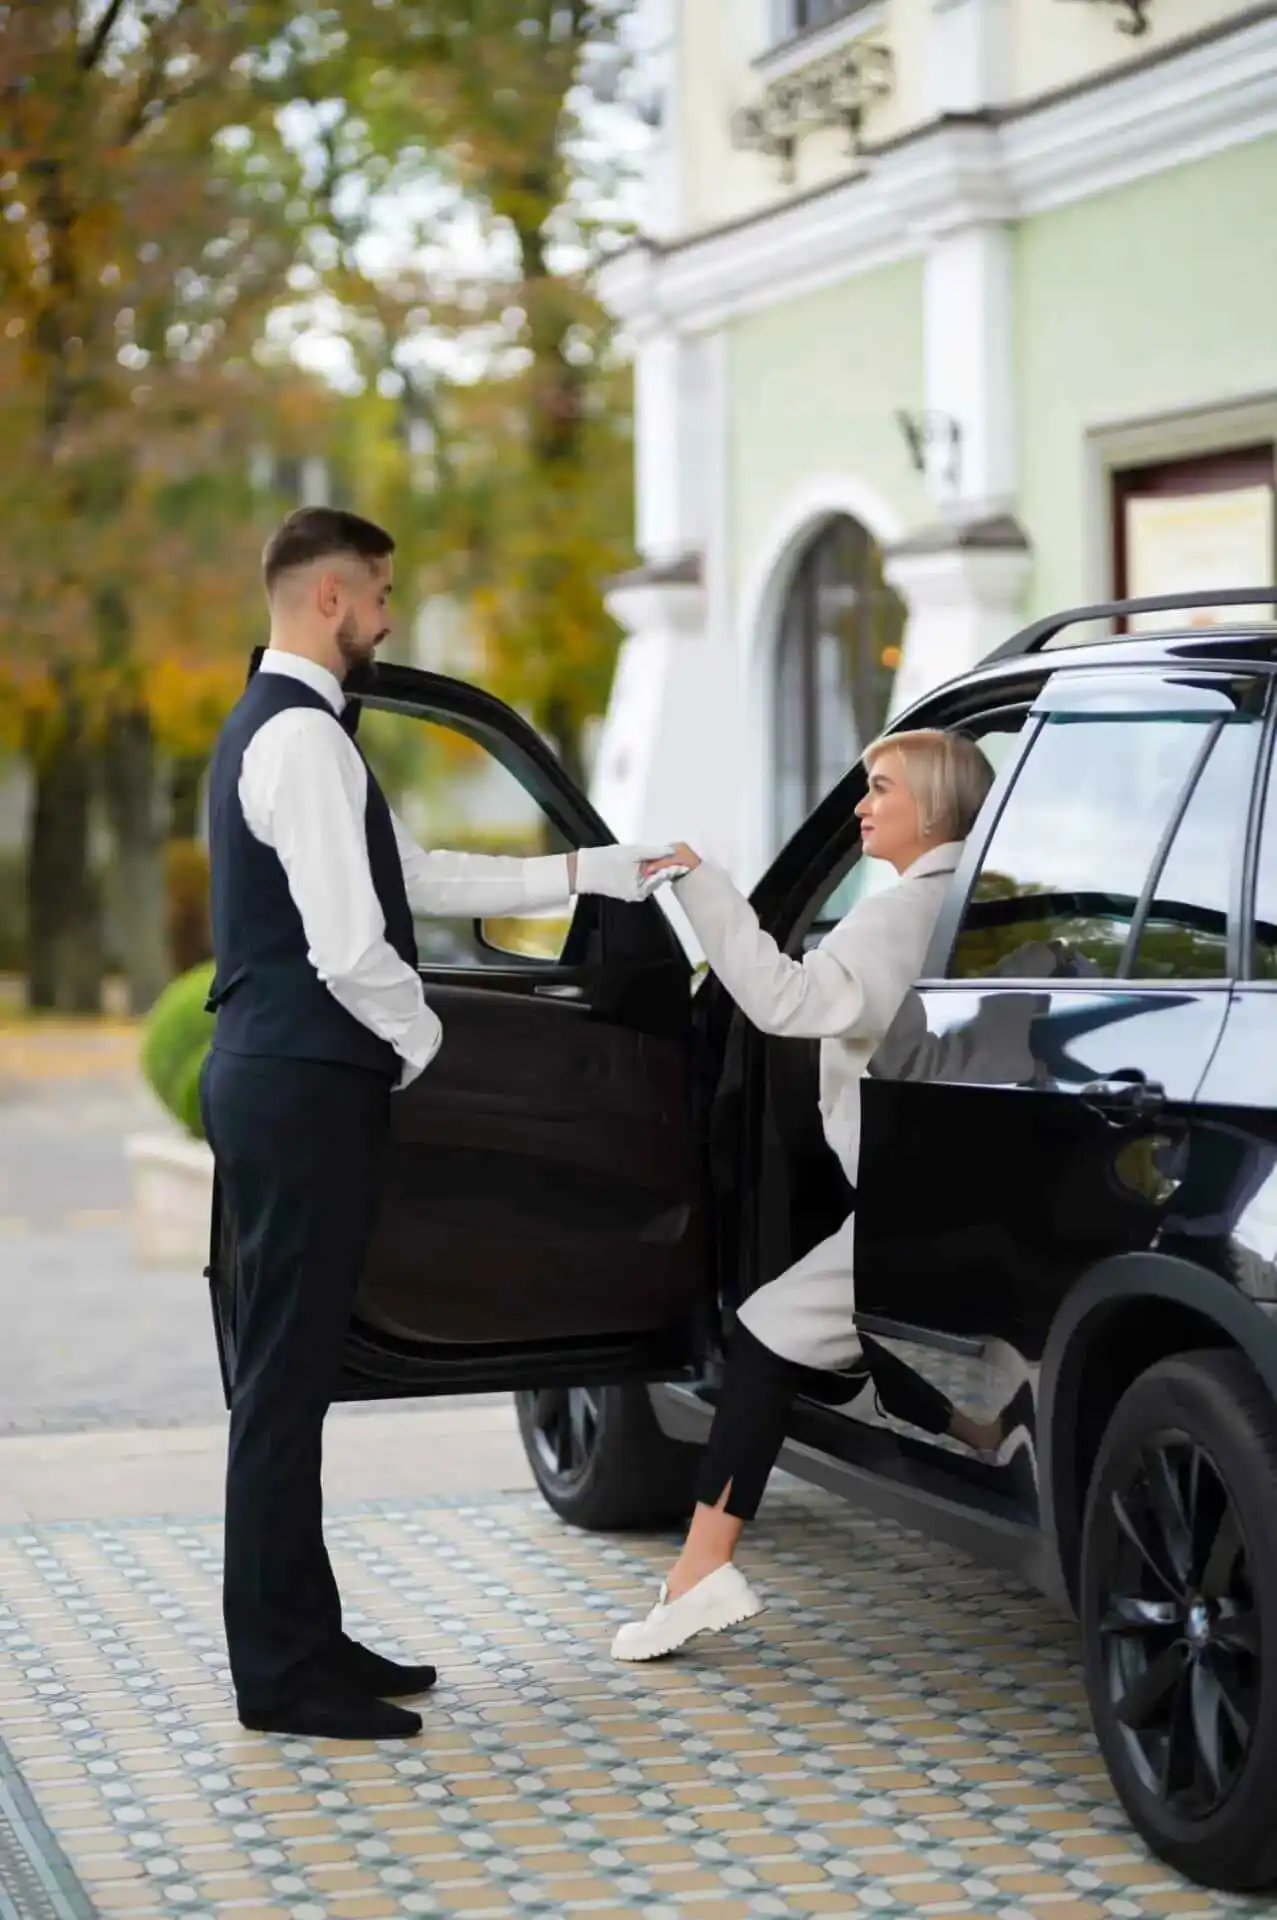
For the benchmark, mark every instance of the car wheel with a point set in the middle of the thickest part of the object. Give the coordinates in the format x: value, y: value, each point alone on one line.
x: 1179, y: 1615
x: 601, y: 1459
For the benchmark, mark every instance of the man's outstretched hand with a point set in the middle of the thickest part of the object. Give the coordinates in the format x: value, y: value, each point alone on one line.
x: 617, y: 872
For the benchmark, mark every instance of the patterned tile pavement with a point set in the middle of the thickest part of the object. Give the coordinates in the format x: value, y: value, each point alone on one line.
x: 903, y: 1733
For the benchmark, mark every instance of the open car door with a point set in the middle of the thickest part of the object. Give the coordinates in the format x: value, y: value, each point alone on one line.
x: 542, y: 1219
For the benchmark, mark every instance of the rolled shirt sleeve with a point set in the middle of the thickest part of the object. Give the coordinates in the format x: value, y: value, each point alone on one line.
x: 303, y: 790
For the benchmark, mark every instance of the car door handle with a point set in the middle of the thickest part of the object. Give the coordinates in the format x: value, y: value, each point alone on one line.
x: 1122, y: 1099
x: 553, y: 991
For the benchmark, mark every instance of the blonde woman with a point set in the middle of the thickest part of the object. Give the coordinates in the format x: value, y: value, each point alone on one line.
x: 925, y: 790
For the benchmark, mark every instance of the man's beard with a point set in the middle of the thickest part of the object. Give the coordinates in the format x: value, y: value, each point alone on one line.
x: 358, y: 654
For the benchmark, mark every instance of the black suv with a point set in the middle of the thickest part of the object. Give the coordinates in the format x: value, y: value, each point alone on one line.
x: 1067, y: 1208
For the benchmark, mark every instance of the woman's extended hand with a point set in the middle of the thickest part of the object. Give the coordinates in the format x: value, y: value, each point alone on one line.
x: 682, y: 860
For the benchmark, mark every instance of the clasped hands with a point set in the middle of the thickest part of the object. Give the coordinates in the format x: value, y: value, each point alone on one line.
x: 630, y: 873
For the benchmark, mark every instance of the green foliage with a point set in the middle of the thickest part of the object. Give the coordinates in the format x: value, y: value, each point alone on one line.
x: 516, y: 504
x: 166, y: 233
x: 177, y: 1037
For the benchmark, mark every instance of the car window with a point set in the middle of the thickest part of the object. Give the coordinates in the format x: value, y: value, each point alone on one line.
x: 870, y: 876
x: 1264, y: 964
x: 1185, y: 933
x: 452, y: 794
x: 1076, y: 841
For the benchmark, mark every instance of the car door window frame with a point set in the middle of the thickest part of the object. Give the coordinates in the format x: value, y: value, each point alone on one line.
x: 1157, y: 866
x: 953, y: 914
x: 516, y: 746
x: 1265, y: 773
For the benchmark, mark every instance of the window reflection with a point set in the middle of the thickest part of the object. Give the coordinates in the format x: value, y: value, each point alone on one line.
x: 1078, y: 838
x: 1185, y: 936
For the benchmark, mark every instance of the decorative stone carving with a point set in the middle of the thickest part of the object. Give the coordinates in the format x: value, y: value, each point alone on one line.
x: 835, y: 90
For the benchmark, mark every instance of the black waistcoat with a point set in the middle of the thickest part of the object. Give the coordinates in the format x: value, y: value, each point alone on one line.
x: 267, y: 995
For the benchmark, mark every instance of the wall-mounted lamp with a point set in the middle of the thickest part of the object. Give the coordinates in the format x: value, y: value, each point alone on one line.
x: 925, y: 433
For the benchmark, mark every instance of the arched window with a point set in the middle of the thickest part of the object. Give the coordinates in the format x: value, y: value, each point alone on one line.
x: 840, y: 640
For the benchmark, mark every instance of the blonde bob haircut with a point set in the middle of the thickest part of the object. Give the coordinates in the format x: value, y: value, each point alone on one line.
x: 946, y: 773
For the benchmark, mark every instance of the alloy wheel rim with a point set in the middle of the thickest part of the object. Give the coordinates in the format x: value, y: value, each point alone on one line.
x: 1179, y: 1629
x: 564, y: 1424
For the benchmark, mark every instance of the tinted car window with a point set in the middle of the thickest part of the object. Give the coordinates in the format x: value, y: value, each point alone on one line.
x: 1185, y: 935
x: 1076, y: 841
x: 452, y: 793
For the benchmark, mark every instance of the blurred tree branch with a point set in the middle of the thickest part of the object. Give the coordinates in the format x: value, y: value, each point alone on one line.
x: 186, y: 188
x: 145, y: 192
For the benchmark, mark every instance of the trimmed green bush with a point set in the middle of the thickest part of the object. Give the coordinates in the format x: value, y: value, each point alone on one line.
x: 177, y: 1037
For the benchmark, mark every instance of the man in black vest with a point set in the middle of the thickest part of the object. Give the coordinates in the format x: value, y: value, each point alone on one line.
x: 320, y: 1017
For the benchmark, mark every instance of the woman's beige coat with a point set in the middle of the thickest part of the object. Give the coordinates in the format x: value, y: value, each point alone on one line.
x: 846, y: 993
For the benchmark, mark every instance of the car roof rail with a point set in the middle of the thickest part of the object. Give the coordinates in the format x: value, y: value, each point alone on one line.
x: 1033, y: 639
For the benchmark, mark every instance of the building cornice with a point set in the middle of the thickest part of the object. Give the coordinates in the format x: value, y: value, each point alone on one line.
x: 1163, y: 110
x: 1164, y: 113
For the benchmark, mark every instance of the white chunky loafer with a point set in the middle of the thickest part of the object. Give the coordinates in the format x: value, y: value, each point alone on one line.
x: 722, y: 1599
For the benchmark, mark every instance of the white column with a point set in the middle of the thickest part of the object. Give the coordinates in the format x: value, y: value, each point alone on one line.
x: 963, y: 598
x: 655, y: 32
x: 668, y: 763
x: 639, y: 785
x: 669, y: 428
x: 969, y: 55
x: 963, y: 577
x: 969, y: 365
x: 955, y: 197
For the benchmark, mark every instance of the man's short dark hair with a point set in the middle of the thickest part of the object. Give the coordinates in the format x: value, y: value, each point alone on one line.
x: 321, y: 533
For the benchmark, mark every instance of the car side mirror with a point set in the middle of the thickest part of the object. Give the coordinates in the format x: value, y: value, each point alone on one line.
x: 530, y: 936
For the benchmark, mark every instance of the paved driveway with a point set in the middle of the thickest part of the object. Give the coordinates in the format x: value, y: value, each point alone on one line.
x: 91, y: 1339
x: 902, y: 1734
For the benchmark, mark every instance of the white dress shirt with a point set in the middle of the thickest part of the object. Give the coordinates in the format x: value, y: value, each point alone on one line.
x: 303, y: 788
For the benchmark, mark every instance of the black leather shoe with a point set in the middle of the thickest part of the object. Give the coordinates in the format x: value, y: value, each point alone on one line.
x: 374, y: 1673
x: 329, y: 1708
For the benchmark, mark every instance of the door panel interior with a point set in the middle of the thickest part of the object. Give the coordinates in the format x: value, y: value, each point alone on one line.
x: 542, y: 1182
x: 807, y: 1191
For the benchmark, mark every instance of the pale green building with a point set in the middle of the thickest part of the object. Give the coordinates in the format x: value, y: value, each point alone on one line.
x: 948, y: 313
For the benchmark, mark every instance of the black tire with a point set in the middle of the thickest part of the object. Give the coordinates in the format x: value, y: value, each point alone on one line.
x: 1179, y: 1615
x: 601, y: 1460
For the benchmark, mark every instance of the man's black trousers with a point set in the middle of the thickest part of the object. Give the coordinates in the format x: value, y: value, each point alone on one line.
x: 298, y: 1147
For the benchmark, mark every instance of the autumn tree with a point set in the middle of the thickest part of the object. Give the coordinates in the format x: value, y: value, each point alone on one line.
x: 484, y: 325
x: 150, y: 214
x: 176, y: 178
